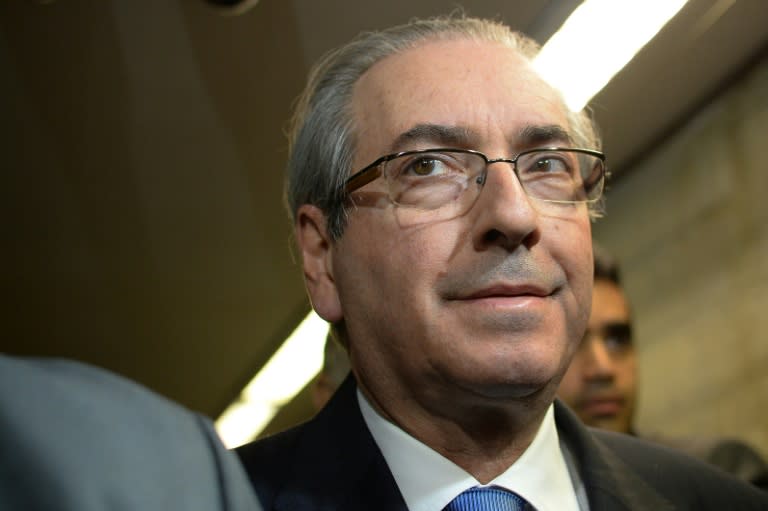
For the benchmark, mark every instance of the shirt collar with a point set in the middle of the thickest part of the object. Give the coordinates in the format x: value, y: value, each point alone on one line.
x: 428, y: 481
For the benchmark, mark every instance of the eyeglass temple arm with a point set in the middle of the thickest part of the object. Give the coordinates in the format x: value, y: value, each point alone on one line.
x: 598, y: 172
x: 362, y: 178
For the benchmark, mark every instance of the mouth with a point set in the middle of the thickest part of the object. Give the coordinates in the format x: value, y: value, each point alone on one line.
x: 508, y: 291
x: 602, y: 407
x: 506, y: 298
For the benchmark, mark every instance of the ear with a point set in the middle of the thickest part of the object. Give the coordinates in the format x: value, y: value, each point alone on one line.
x: 316, y: 249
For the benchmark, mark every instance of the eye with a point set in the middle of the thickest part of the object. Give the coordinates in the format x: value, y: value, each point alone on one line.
x: 425, y: 166
x: 549, y: 164
x: 618, y: 336
x: 538, y: 164
x: 429, y: 165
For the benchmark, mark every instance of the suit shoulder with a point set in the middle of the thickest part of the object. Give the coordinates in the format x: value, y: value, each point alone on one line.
x: 267, y: 460
x: 680, y: 477
x: 259, y: 451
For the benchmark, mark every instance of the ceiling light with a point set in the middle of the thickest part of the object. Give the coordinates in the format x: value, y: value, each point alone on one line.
x: 596, y: 41
x: 289, y: 370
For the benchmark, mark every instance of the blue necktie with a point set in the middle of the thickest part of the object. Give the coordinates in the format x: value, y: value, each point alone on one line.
x: 489, y: 498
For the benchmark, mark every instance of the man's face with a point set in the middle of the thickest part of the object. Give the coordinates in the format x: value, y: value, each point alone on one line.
x: 600, y: 384
x: 487, y: 305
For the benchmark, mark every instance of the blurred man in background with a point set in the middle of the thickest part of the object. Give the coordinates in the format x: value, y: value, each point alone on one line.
x: 601, y: 382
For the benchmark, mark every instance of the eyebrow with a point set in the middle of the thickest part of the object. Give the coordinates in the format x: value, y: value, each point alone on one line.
x: 453, y: 136
x: 532, y: 136
x: 457, y: 136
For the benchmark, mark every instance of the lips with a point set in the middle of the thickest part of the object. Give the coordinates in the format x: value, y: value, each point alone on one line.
x: 506, y: 291
x: 602, y: 407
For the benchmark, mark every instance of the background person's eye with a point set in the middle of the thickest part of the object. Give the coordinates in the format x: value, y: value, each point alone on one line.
x: 618, y: 337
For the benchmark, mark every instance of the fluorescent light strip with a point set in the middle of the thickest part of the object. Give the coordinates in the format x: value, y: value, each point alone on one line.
x: 289, y: 370
x: 596, y: 41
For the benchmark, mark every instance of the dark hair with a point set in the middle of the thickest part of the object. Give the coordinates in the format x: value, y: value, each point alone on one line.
x: 606, y: 266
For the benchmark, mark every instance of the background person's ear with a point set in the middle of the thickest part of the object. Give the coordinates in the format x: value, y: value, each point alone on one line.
x: 315, y: 246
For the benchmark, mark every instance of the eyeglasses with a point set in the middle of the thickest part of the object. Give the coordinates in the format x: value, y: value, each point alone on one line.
x: 435, y: 178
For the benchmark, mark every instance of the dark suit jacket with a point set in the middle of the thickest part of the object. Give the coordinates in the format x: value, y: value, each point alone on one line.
x: 77, y: 438
x: 728, y: 454
x: 333, y: 463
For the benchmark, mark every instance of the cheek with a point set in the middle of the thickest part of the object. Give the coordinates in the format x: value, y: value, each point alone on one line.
x: 571, y: 245
x: 569, y: 386
x: 627, y: 372
x: 422, y: 252
x: 378, y: 254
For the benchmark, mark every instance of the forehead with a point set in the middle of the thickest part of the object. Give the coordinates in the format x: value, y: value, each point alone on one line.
x: 485, y: 88
x: 608, y: 303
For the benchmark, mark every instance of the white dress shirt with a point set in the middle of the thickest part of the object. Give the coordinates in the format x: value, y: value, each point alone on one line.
x: 428, y: 481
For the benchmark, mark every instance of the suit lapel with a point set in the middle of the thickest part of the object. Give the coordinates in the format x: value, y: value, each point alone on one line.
x: 338, y: 464
x: 610, y: 483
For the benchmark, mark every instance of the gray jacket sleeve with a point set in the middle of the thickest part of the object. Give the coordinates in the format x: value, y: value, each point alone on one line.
x: 73, y: 437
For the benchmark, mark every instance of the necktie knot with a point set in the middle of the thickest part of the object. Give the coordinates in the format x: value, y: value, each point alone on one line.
x: 488, y: 498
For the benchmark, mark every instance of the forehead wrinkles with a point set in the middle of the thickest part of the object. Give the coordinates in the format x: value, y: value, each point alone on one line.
x: 404, y: 89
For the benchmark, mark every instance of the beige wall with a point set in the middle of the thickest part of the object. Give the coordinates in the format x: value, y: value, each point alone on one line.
x: 690, y: 226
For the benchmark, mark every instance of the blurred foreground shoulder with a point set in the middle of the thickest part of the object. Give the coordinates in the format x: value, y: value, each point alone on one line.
x: 75, y: 437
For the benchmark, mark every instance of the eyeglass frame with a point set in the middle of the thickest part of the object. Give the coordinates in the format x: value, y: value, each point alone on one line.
x: 371, y: 172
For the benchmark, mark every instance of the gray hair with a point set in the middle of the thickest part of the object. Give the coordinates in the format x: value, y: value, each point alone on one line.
x: 322, y: 135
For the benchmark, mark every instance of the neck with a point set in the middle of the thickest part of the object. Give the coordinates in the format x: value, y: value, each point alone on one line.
x: 484, y: 439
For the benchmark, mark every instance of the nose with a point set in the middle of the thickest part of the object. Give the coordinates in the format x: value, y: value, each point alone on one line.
x: 506, y: 215
x: 599, y: 363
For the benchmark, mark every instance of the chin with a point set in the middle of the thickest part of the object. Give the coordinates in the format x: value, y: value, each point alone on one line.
x: 513, y: 383
x: 501, y: 367
x: 507, y: 391
x: 539, y: 367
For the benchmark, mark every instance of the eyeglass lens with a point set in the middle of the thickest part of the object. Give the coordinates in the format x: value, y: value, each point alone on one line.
x: 430, y: 180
